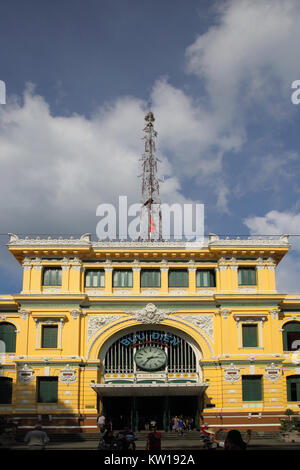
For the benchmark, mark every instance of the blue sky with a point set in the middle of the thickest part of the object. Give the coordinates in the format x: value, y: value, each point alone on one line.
x: 80, y: 76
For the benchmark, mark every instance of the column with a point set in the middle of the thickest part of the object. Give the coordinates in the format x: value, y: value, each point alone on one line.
x: 26, y: 275
x: 234, y: 275
x: 261, y: 278
x: 75, y: 284
x: 192, y: 280
x: 108, y: 278
x: 36, y: 277
x: 136, y: 289
x: 164, y: 277
x: 65, y: 287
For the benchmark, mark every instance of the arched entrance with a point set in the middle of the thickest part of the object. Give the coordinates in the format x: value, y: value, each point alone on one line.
x: 150, y: 373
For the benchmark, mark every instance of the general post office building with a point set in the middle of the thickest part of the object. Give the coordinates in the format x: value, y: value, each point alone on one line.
x: 149, y: 330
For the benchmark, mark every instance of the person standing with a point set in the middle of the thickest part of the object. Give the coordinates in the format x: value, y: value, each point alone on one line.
x: 101, y: 422
x: 153, y: 440
x: 36, y: 439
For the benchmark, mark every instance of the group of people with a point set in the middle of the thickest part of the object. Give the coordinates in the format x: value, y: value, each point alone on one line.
x: 180, y: 424
x: 125, y: 439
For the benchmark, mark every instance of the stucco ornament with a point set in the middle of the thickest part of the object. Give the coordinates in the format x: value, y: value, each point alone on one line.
x: 67, y: 375
x: 150, y: 314
x: 203, y: 322
x: 26, y: 375
x: 96, y: 322
x: 232, y: 374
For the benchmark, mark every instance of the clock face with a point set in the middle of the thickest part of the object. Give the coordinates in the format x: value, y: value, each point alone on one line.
x: 150, y: 358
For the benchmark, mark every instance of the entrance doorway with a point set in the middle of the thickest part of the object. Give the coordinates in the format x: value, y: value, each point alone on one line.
x: 138, y: 412
x: 119, y: 411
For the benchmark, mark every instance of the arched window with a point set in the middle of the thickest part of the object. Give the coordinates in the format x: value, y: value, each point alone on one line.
x: 8, y: 336
x: 5, y: 390
x: 291, y: 336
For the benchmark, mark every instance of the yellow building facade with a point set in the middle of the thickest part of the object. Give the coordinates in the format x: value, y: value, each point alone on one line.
x: 148, y: 330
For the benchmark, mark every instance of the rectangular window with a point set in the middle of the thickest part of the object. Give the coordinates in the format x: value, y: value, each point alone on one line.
x: 250, y: 336
x: 49, y: 336
x: 122, y: 278
x: 47, y: 389
x: 293, y: 388
x: 95, y: 278
x: 247, y: 276
x: 252, y: 387
x: 52, y: 277
x: 206, y: 278
x: 150, y: 278
x: 5, y: 390
x: 178, y: 278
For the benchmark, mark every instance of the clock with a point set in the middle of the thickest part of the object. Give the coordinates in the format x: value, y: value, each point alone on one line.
x: 150, y: 358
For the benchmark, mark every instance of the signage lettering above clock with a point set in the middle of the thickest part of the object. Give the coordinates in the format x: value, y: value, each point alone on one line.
x: 158, y: 337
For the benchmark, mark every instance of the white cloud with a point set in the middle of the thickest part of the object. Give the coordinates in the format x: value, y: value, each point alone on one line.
x: 253, y: 46
x: 278, y: 223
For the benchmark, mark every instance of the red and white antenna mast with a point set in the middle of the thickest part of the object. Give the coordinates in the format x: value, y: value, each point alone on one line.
x: 150, y: 227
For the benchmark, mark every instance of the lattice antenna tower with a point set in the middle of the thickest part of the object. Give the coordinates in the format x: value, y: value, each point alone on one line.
x: 150, y: 226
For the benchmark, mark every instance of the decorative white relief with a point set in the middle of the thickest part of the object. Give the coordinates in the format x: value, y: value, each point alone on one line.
x: 247, y: 290
x: 25, y: 375
x: 178, y: 291
x: 52, y: 290
x: 67, y: 375
x: 123, y: 291
x: 273, y: 372
x: 150, y: 314
x: 224, y: 313
x: 150, y: 291
x: 274, y: 312
x: 96, y: 322
x: 232, y: 374
x: 203, y: 321
x: 205, y: 291
x: 24, y: 314
x: 75, y: 314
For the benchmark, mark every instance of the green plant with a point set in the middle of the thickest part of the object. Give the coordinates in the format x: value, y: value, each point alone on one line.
x: 290, y: 424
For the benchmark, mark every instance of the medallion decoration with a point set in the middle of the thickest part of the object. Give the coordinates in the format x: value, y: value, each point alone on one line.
x: 232, y: 374
x: 150, y: 314
x: 67, y: 375
x: 273, y: 372
x: 25, y: 375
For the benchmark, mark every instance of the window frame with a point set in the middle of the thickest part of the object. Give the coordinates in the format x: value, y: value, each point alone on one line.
x: 100, y: 277
x: 43, y: 328
x: 47, y: 270
x: 245, y: 325
x: 289, y: 383
x: 152, y: 282
x: 212, y: 276
x: 241, y: 276
x: 246, y: 393
x: 13, y: 337
x: 178, y: 284
x: 129, y: 283
x: 9, y: 385
x: 50, y: 379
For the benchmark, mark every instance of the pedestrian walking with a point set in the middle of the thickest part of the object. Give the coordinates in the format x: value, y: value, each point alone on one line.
x: 153, y: 440
x: 36, y: 439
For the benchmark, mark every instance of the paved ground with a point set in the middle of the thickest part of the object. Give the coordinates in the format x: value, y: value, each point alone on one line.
x: 174, y: 444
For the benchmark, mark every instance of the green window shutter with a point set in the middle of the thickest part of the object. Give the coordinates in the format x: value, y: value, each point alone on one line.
x: 52, y: 277
x: 250, y: 337
x: 252, y: 388
x: 47, y: 389
x: 49, y: 336
x: 95, y: 278
x: 150, y: 278
x: 205, y: 278
x: 247, y: 276
x: 5, y: 390
x: 8, y: 336
x: 122, y: 278
x: 293, y: 388
x: 178, y: 278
